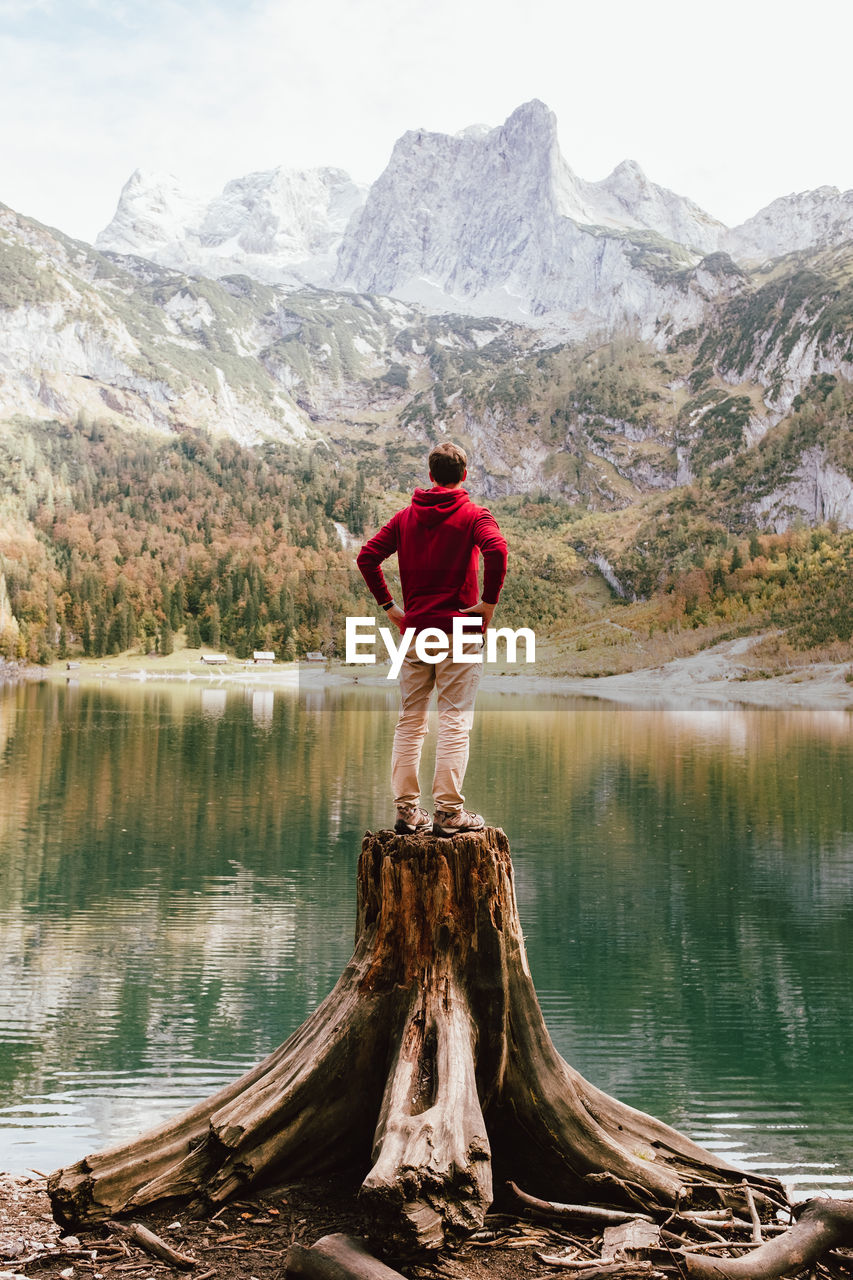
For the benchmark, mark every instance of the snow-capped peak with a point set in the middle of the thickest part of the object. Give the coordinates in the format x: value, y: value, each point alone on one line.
x: 153, y: 210
x: 278, y: 224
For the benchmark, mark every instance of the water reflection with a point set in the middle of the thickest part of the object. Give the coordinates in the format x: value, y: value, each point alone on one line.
x: 263, y: 704
x: 213, y: 703
x: 177, y: 871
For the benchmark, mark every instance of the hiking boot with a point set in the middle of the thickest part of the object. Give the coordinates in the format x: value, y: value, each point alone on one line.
x: 412, y: 820
x: 452, y: 822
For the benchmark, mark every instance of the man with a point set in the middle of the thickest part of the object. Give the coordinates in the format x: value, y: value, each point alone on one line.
x: 438, y: 539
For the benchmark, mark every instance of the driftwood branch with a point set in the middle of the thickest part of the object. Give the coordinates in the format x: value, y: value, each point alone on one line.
x: 337, y: 1257
x: 822, y: 1224
x: 607, y: 1271
x: 753, y: 1213
x: 153, y: 1244
x: 578, y: 1212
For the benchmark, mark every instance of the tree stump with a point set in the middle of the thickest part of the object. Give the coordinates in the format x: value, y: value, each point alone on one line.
x: 428, y: 1068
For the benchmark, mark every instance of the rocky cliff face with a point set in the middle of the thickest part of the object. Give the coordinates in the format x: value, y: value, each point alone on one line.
x: 82, y: 335
x: 817, y: 492
x: 496, y: 223
x: 628, y: 199
x: 793, y: 322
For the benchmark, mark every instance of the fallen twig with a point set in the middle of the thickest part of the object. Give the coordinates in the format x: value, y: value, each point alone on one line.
x: 753, y: 1213
x: 580, y: 1212
x: 673, y: 1238
x: 604, y: 1272
x: 632, y: 1190
x: 706, y: 1215
x: 570, y: 1264
x: 711, y: 1245
x: 766, y: 1189
x: 153, y: 1244
x: 564, y: 1238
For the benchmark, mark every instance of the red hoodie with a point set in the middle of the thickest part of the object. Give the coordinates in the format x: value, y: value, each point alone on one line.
x: 438, y: 539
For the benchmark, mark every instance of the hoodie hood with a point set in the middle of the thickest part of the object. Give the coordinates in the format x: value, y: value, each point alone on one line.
x: 431, y: 506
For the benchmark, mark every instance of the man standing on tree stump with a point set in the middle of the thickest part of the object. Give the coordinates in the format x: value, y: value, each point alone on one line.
x: 438, y: 539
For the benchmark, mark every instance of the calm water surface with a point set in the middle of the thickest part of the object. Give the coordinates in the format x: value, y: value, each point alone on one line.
x: 177, y: 870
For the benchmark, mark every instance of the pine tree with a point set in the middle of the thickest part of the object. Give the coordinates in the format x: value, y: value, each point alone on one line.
x: 215, y: 626
x: 86, y: 631
x: 51, y: 617
x: 178, y: 606
x: 100, y: 638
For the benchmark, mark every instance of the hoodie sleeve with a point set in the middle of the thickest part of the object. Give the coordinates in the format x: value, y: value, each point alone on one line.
x: 382, y: 545
x: 492, y: 543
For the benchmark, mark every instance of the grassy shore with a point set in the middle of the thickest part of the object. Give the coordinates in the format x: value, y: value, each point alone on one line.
x: 745, y: 671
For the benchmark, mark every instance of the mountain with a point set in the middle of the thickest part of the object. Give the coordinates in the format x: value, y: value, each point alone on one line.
x: 84, y: 334
x: 122, y: 342
x: 627, y: 199
x: 820, y: 219
x: 279, y: 226
x: 496, y: 223
x: 484, y: 222
x: 591, y: 341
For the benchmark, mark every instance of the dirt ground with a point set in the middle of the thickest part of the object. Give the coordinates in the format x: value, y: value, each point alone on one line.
x: 249, y: 1240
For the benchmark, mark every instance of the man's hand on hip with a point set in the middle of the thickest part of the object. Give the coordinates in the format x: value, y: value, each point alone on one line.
x: 484, y: 610
x: 397, y: 616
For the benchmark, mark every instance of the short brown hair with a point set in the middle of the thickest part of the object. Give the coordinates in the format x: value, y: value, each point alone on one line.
x: 447, y: 463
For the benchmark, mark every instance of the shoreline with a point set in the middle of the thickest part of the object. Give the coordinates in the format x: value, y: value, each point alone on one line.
x: 716, y: 676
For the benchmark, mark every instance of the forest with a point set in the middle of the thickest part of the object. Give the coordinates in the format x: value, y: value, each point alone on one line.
x: 115, y: 540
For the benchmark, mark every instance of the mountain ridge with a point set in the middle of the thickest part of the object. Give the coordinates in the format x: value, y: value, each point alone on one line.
x: 121, y: 339
x: 486, y: 221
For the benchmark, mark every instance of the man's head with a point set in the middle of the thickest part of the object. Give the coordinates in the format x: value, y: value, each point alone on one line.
x: 448, y: 464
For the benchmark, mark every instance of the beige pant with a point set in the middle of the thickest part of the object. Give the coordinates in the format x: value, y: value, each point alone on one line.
x: 456, y: 688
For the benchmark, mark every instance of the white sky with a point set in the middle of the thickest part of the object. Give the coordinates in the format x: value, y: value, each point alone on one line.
x: 731, y: 103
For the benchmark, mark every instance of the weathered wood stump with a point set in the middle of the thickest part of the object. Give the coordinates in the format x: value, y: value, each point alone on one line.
x: 427, y: 1066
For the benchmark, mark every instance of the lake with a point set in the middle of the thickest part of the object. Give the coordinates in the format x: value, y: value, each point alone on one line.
x: 177, y: 892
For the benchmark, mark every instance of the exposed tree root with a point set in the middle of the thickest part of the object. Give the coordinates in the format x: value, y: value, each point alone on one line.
x: 337, y: 1257
x: 822, y: 1224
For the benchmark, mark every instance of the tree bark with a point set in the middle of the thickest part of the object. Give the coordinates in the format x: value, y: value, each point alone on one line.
x: 427, y: 1066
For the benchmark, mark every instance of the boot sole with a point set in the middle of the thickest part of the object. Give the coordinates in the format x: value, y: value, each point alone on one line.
x: 403, y: 829
x: 447, y: 832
